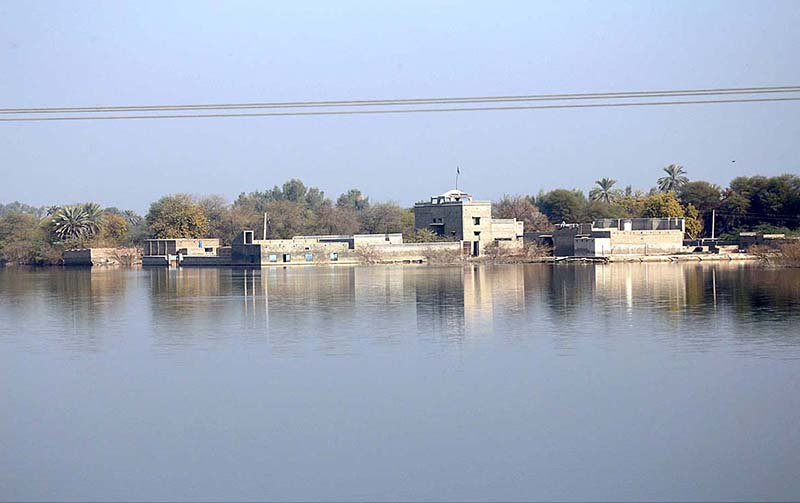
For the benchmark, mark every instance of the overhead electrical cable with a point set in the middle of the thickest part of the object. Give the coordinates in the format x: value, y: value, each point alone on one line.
x: 409, y: 101
x: 395, y: 111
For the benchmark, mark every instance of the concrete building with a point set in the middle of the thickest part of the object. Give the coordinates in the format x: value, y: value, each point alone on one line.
x: 631, y: 236
x: 564, y: 236
x: 166, y: 251
x: 457, y: 216
x: 343, y: 249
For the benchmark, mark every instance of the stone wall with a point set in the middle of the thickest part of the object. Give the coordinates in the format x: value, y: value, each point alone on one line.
x: 414, y: 251
x: 101, y: 256
x: 592, y: 246
x: 377, y: 239
x: 646, y: 242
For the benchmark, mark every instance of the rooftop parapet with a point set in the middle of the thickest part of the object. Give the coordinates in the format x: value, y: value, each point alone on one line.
x: 641, y: 224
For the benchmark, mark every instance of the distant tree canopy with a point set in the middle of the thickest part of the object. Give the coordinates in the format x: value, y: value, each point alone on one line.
x: 522, y: 208
x: 177, y: 216
x: 353, y: 200
x: 25, y: 240
x: 563, y: 205
x: 293, y: 191
x: 662, y: 205
x: 17, y: 207
x: 30, y: 234
x: 702, y: 195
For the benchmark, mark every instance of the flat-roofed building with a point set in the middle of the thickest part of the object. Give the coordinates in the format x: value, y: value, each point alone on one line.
x: 165, y: 251
x: 457, y: 216
x: 632, y: 236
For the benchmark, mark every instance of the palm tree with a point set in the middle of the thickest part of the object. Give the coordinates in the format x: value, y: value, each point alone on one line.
x: 93, y: 215
x: 69, y: 223
x: 80, y: 222
x: 603, y: 192
x: 675, y: 179
x: 131, y: 217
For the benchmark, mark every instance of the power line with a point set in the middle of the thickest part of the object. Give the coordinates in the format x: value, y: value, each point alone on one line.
x: 411, y: 101
x: 397, y: 111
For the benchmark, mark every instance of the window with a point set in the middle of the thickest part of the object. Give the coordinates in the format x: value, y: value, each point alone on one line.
x: 287, y: 257
x: 273, y: 257
x: 209, y: 250
x: 248, y: 237
x: 477, y: 233
x: 476, y: 220
x: 334, y: 256
x: 309, y: 257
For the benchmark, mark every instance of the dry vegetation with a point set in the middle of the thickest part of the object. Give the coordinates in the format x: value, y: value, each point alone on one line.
x: 785, y: 255
x: 443, y: 256
x: 367, y: 254
x: 128, y: 256
x: 789, y: 254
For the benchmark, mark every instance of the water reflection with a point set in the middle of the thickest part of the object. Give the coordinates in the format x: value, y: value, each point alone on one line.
x: 338, y: 309
x: 634, y: 381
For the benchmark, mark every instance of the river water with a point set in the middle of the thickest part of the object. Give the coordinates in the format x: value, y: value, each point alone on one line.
x: 622, y: 381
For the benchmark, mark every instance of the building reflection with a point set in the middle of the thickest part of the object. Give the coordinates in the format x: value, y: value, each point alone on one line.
x: 333, y: 308
x: 336, y: 309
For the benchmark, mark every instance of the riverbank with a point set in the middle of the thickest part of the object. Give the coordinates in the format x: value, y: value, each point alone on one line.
x: 693, y: 257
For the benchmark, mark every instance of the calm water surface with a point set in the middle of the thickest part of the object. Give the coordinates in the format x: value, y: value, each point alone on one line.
x: 658, y: 381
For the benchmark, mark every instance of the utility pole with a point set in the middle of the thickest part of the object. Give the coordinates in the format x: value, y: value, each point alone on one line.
x: 713, y: 222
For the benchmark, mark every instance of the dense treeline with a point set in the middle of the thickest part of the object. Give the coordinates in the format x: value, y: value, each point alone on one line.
x: 32, y: 235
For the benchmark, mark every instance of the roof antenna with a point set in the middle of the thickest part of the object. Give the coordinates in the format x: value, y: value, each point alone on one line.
x: 458, y: 172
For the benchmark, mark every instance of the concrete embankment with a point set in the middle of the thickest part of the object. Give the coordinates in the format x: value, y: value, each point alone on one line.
x: 695, y: 257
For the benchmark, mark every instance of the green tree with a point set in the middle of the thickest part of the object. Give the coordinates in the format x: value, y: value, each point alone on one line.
x: 287, y: 219
x: 115, y: 230
x: 693, y: 223
x: 604, y: 191
x: 176, y: 216
x: 217, y: 213
x: 704, y: 196
x: 23, y: 240
x: 425, y: 236
x: 94, y: 218
x: 382, y: 217
x: 770, y: 201
x: 662, y: 205
x: 332, y: 219
x: 353, y: 199
x: 563, y: 205
x: 675, y: 178
x: 78, y: 224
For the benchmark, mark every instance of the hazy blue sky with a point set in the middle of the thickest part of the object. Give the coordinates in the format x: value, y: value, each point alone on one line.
x: 111, y: 53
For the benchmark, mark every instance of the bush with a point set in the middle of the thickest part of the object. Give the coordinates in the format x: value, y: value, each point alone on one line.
x: 789, y: 254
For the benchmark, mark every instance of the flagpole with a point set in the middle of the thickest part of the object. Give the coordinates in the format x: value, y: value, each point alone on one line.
x: 458, y: 172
